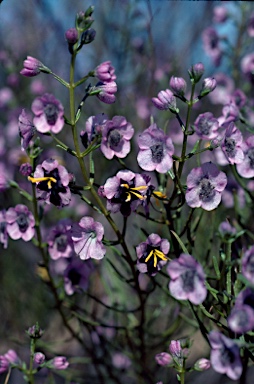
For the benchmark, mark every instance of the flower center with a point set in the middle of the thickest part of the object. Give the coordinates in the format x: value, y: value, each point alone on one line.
x: 227, y: 356
x: 205, y: 126
x: 61, y: 243
x: 157, y: 153
x: 22, y: 221
x: 51, y: 112
x: 134, y: 191
x: 155, y: 253
x: 230, y: 146
x: 250, y: 155
x: 206, y: 191
x: 188, y: 280
x: 49, y: 180
x: 74, y: 276
x: 114, y: 138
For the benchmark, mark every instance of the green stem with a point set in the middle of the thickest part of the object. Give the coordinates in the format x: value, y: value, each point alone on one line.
x: 228, y: 261
x: 31, y: 373
x: 182, y: 377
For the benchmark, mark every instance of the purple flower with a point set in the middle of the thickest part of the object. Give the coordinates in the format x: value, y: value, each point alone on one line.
x: 225, y: 355
x: 163, y: 359
x: 94, y: 125
x: 32, y: 67
x: 156, y: 150
x: 247, y: 66
x: 211, y: 43
x: 224, y: 89
x: 87, y: 239
x: 246, y: 167
x: 178, y: 85
x: 125, y: 192
x: 105, y: 72
x: 76, y: 275
x: 39, y: 358
x: 187, y: 279
x: 60, y: 362
x: 26, y: 129
x: 165, y: 100
x: 205, y: 185
x: 220, y: 14
x: 206, y: 126
x: 248, y: 264
x: 232, y: 145
x: 152, y: 254
x: 4, y: 364
x: 52, y: 182
x: 241, y: 318
x: 250, y: 28
x: 226, y: 230
x: 20, y: 223
x: 26, y: 169
x: 71, y: 36
x: 178, y: 353
x: 59, y: 241
x: 116, y: 135
x: 12, y: 356
x: 107, y: 91
x: 3, y: 229
x: 196, y: 72
x: 208, y: 85
x: 202, y: 364
x: 238, y: 98
x: 49, y: 114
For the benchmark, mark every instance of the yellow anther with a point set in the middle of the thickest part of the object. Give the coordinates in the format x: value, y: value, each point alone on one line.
x: 159, y: 194
x: 149, y: 256
x: 141, y: 188
x: 155, y: 253
x: 128, y: 197
x: 125, y: 186
x: 38, y: 179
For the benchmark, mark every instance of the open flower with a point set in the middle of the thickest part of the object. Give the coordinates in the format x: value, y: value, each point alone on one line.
x: 94, y: 125
x: 152, y: 254
x: 205, y: 185
x: 59, y: 241
x: 107, y: 91
x: 76, y: 275
x: 206, y: 126
x: 26, y: 129
x: 33, y: 67
x: 52, y: 182
x: 125, y: 192
x: 232, y: 145
x: 187, y: 279
x: 225, y: 355
x: 156, y: 150
x: 87, y: 239
x: 105, y: 72
x: 246, y: 167
x: 165, y: 100
x: 116, y: 135
x: 20, y: 223
x: 241, y: 318
x: 49, y: 114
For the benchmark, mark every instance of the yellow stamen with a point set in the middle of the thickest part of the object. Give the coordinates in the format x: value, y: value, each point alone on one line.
x: 155, y: 253
x: 38, y: 179
x: 125, y: 186
x: 149, y: 256
x: 128, y: 197
x: 141, y: 188
x: 138, y: 195
x: 159, y: 194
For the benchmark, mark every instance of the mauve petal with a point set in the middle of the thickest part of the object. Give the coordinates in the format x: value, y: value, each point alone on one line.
x: 154, y: 239
x: 64, y: 175
x: 199, y: 294
x: 142, y: 267
x: 126, y: 147
x: 126, y: 175
x: 194, y: 177
x: 165, y: 246
x: 57, y: 127
x: 140, y: 249
x: 107, y: 151
x: 11, y: 215
x: 144, y: 160
x: 13, y: 231
x: 165, y: 164
x: 145, y: 140
x: 176, y: 290
x: 192, y: 198
x: 96, y: 250
x: 111, y: 186
x: 37, y: 107
x: 213, y: 203
x: 28, y: 235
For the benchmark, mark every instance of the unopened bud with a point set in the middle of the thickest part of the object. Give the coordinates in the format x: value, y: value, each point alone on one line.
x: 202, y: 365
x: 88, y: 36
x: 196, y: 72
x: 35, y: 332
x: 208, y: 85
x: 71, y: 36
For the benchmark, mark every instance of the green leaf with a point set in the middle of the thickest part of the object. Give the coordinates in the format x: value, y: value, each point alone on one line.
x: 180, y: 242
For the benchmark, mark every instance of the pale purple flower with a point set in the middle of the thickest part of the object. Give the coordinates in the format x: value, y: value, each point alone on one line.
x: 220, y: 14
x: 208, y: 85
x: 52, y: 182
x: 94, y: 125
x: 163, y: 359
x: 211, y: 44
x: 225, y: 355
x: 232, y: 145
x: 246, y: 167
x: 187, y: 279
x: 250, y: 28
x: 4, y: 364
x: 165, y: 100
x: 116, y: 135
x: 178, y: 85
x: 32, y: 67
x: 247, y: 66
x: 156, y: 150
x: 59, y: 241
x: 224, y: 89
x: 196, y: 71
x: 238, y: 98
x: 204, y: 186
x: 76, y: 275
x: 152, y: 254
x: 12, y: 356
x: 202, y: 365
x: 60, y: 362
x: 87, y: 238
x: 206, y: 126
x: 107, y: 91
x: 105, y: 72
x: 39, y: 358
x: 20, y: 223
x: 49, y: 114
x: 26, y: 129
x: 26, y: 169
x: 125, y: 192
x: 248, y: 264
x: 230, y: 113
x: 3, y: 229
x: 241, y: 318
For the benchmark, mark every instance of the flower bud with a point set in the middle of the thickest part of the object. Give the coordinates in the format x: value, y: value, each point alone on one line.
x: 89, y: 11
x: 26, y: 169
x: 196, y: 72
x: 60, y: 362
x: 39, y: 358
x: 163, y: 358
x: 88, y: 36
x: 35, y: 332
x: 32, y: 67
x: 11, y: 356
x: 178, y: 85
x: 208, y: 85
x: 202, y: 365
x: 4, y: 364
x: 71, y: 36
x: 165, y: 100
